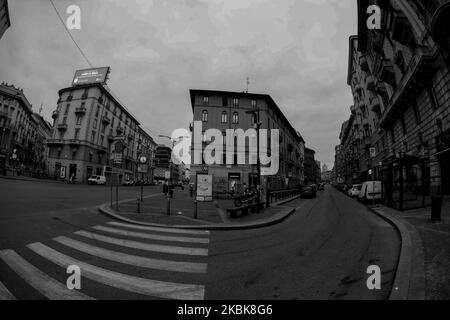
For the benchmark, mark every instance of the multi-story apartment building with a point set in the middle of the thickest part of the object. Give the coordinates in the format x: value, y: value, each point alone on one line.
x: 88, y: 122
x: 146, y: 146
x: 163, y: 161
x: 223, y: 110
x: 400, y: 77
x: 5, y: 21
x: 22, y: 133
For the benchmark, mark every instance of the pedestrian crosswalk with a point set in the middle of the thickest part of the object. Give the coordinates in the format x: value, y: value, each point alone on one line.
x: 140, y: 260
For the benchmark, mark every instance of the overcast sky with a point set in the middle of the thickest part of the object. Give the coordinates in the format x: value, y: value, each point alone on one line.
x: 294, y: 50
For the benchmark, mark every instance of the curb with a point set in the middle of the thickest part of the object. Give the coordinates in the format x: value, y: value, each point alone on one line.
x: 408, y: 284
x: 31, y: 180
x: 279, y: 217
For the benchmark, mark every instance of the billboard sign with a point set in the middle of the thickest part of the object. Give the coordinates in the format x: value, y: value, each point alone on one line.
x: 204, y: 187
x: 87, y: 76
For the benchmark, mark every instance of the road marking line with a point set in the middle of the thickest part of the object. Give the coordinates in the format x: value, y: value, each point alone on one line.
x: 150, y: 236
x: 5, y: 294
x: 49, y: 287
x: 145, y: 246
x: 133, y: 260
x: 122, y: 281
x: 167, y: 230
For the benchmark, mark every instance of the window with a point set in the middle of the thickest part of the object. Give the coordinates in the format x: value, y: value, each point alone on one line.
x: 224, y: 101
x: 79, y: 121
x: 402, y: 122
x: 67, y: 109
x: 98, y: 110
x: 205, y: 100
x: 254, y: 104
x: 235, y: 118
x: 77, y: 132
x: 64, y: 120
x: 224, y: 117
x: 103, y: 128
x: 101, y: 140
x: 93, y: 137
x: 236, y: 102
x: 416, y: 113
x: 95, y: 123
x: 205, y: 116
x: 432, y: 97
x: 83, y: 105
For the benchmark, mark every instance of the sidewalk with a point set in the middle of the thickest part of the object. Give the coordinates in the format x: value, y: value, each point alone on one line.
x: 9, y: 176
x: 210, y: 215
x: 430, y: 254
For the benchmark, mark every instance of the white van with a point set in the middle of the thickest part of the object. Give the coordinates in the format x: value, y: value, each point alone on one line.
x: 97, y: 180
x: 371, y: 191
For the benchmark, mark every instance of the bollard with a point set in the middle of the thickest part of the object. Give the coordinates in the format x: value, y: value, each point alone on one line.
x: 436, y: 207
x: 138, y: 203
x: 168, y: 205
x: 195, y: 209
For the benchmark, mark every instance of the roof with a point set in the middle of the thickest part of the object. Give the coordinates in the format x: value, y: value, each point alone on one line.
x: 104, y: 90
x: 244, y: 94
x: 17, y: 94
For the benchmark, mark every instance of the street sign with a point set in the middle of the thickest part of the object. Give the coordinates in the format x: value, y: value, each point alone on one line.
x: 204, y: 187
x: 142, y: 168
x: 63, y: 173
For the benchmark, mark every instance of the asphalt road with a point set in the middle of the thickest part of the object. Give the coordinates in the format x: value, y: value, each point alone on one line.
x: 321, y: 252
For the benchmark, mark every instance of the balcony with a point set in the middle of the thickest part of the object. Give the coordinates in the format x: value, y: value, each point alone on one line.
x: 371, y: 83
x: 363, y: 63
x: 80, y: 110
x: 375, y: 106
x: 74, y: 142
x: 130, y: 136
x: 119, y: 130
x: 55, y: 114
x: 55, y: 142
x: 62, y: 126
x: 110, y: 137
x: 106, y: 120
x: 4, y: 114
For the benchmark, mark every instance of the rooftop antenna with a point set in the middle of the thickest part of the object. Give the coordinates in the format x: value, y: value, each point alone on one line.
x: 248, y: 82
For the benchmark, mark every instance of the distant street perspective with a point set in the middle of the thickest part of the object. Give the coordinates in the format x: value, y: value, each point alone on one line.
x: 225, y: 150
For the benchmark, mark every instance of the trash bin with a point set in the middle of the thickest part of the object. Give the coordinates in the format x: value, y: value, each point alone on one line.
x: 436, y: 207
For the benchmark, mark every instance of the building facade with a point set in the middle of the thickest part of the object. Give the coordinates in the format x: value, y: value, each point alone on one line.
x: 22, y: 134
x: 5, y: 21
x: 400, y: 80
x: 224, y: 110
x: 88, y: 122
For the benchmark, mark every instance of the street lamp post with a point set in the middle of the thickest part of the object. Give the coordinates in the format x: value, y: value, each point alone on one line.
x: 258, y: 163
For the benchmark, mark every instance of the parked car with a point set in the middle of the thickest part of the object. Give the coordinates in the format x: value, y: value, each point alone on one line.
x: 128, y: 183
x: 97, y: 180
x: 321, y: 186
x: 371, y: 191
x: 308, y: 192
x: 354, y: 190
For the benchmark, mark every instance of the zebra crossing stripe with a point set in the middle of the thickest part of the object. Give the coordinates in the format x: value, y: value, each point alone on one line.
x: 5, y: 294
x: 49, y: 287
x: 133, y: 260
x: 144, y: 246
x: 166, y: 230
x: 122, y: 281
x: 150, y: 236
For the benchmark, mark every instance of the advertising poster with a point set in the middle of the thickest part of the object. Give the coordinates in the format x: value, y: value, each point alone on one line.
x: 204, y: 187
